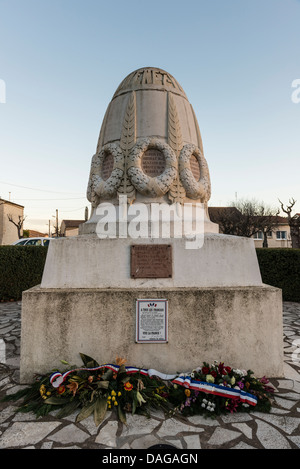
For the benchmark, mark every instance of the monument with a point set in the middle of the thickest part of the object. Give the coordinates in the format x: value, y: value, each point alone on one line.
x: 149, y: 277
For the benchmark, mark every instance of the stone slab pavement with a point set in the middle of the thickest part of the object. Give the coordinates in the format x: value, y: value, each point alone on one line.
x: 279, y: 429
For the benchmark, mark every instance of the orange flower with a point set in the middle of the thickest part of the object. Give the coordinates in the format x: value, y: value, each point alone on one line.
x: 73, y: 386
x: 128, y: 386
x: 90, y: 379
x: 187, y: 392
x: 61, y: 389
x: 120, y: 361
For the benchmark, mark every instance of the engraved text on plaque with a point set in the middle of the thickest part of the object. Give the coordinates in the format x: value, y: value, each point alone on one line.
x: 151, y: 261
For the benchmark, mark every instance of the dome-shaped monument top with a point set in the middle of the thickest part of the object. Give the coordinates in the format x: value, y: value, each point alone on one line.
x: 150, y: 144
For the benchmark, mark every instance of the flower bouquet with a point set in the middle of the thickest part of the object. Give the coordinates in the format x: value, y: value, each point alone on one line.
x: 94, y: 389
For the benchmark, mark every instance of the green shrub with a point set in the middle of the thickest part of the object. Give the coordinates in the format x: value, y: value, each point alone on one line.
x: 21, y: 267
x: 280, y: 267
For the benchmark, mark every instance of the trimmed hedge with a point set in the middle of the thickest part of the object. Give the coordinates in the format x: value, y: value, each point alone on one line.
x: 21, y: 267
x: 280, y: 267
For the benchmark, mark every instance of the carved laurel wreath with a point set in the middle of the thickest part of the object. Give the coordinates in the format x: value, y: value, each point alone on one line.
x: 194, y: 189
x: 146, y: 185
x: 107, y: 188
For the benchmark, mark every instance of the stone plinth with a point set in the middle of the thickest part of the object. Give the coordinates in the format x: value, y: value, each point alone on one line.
x: 90, y: 262
x: 241, y: 326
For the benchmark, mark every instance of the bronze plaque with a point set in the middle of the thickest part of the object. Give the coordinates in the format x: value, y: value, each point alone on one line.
x: 195, y: 168
x: 153, y: 162
x: 107, y: 166
x: 151, y: 261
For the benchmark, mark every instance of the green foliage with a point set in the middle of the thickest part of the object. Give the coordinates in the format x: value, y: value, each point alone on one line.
x: 21, y: 268
x: 280, y: 267
x: 93, y: 391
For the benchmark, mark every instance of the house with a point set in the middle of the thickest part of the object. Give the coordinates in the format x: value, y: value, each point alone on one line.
x: 8, y: 231
x: 279, y: 237
x: 228, y: 217
x: 70, y: 227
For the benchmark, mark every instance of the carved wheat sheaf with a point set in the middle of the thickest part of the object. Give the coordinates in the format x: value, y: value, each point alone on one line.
x: 177, y: 192
x: 128, y: 139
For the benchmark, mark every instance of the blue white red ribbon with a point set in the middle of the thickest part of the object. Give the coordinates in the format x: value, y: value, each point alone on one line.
x: 57, y: 378
x: 216, y: 389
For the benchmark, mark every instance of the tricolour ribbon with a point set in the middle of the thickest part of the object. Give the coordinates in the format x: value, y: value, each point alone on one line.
x: 57, y: 378
x: 216, y: 389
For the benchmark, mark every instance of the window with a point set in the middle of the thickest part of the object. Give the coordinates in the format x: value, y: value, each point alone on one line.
x: 281, y: 235
x: 258, y: 235
x: 34, y: 242
x: 20, y: 243
x: 270, y: 234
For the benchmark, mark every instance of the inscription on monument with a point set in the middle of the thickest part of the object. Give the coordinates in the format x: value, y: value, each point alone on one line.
x: 107, y: 166
x: 195, y: 168
x: 151, y: 261
x: 153, y: 162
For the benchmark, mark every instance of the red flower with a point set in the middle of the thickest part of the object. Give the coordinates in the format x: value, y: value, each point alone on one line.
x: 214, y: 373
x: 228, y: 369
x: 205, y: 370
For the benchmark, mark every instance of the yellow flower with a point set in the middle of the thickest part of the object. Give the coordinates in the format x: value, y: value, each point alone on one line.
x: 113, y: 398
x: 48, y: 393
x: 119, y: 394
x: 187, y: 392
x: 113, y: 393
x: 115, y: 403
x: 42, y: 389
x: 109, y: 397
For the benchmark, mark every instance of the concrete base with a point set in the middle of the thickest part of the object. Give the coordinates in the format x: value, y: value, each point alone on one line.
x: 241, y: 326
x: 89, y: 262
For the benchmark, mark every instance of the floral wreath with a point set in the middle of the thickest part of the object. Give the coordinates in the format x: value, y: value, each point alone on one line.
x: 211, y: 390
x: 147, y: 185
x: 107, y: 188
x: 194, y: 189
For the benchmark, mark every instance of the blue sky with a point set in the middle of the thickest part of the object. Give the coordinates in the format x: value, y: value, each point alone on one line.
x: 62, y: 60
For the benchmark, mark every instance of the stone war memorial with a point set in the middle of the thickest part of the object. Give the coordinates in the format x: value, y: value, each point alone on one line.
x: 149, y: 277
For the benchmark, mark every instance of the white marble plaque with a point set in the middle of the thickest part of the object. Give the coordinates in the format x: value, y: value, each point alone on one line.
x: 151, y: 321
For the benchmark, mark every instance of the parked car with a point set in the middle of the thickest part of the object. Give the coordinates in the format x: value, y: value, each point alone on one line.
x: 32, y: 242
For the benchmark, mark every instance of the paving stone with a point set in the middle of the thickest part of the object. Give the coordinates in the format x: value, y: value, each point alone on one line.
x: 244, y: 428
x: 108, y: 434
x: 295, y: 440
x: 233, y: 418
x: 200, y: 420
x: 269, y: 437
x: 23, y: 434
x: 192, y: 441
x: 242, y: 445
x: 7, y: 412
x: 145, y: 442
x: 173, y: 427
x: 138, y: 425
x: 69, y: 434
x: 285, y: 423
x: 223, y: 435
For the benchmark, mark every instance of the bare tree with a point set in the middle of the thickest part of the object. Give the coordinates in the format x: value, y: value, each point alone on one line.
x: 18, y: 224
x: 246, y: 218
x: 293, y: 221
